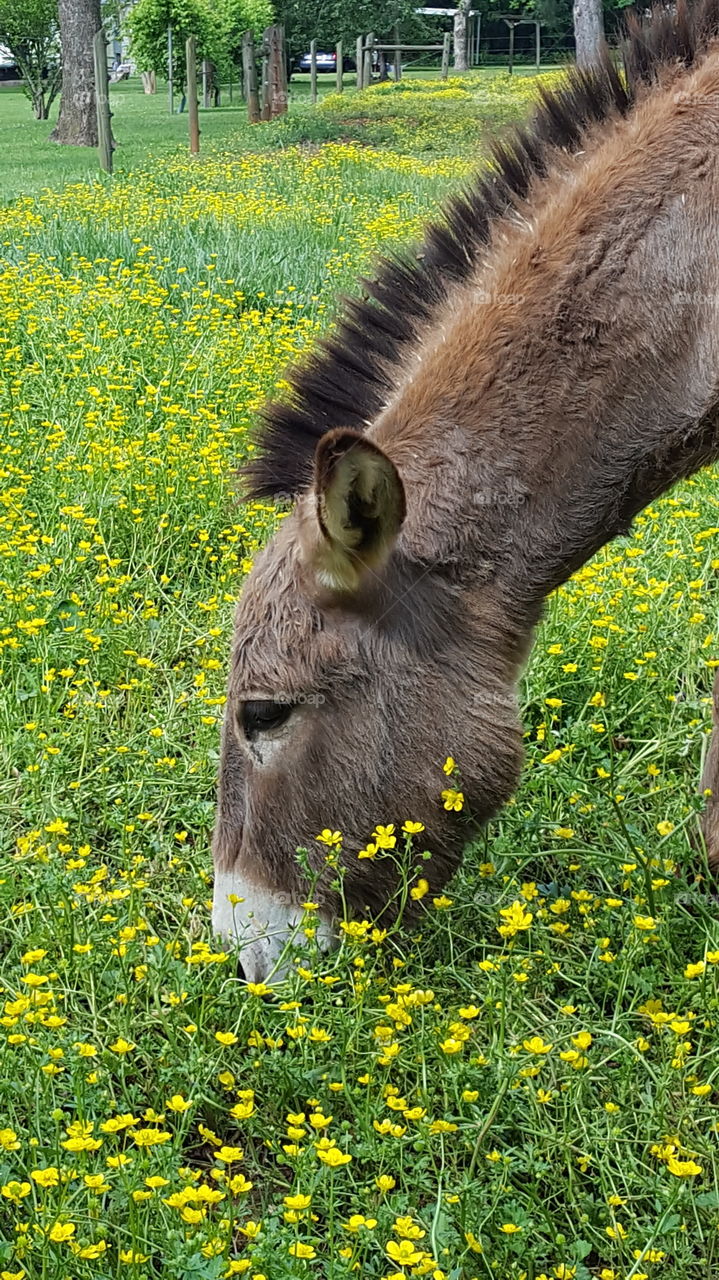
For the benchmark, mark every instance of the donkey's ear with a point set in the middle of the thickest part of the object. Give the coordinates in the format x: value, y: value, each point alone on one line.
x: 360, y: 506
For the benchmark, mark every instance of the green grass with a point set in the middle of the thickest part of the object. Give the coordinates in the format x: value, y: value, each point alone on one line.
x: 520, y: 1095
x: 142, y: 125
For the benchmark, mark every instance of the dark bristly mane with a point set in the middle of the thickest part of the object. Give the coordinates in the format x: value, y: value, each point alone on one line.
x: 348, y: 378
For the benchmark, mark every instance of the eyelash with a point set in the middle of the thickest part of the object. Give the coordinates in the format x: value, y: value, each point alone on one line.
x: 262, y: 716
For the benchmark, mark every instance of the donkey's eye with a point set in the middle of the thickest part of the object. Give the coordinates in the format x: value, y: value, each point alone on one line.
x: 260, y: 717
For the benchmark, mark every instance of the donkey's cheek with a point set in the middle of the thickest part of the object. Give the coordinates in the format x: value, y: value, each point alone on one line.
x: 259, y: 924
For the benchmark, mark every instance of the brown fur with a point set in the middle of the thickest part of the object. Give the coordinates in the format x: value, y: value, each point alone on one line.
x: 559, y: 376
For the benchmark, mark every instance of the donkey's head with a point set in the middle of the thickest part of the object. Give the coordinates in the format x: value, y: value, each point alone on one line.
x: 357, y: 668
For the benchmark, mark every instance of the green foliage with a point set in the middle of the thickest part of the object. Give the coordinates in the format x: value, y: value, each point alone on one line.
x: 148, y: 23
x: 29, y: 29
x: 330, y: 20
x: 238, y: 16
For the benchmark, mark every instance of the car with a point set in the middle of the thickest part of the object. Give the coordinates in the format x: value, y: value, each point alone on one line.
x: 326, y: 62
x: 9, y: 69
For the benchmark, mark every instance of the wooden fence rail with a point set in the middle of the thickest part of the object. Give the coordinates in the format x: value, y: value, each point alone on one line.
x: 367, y: 46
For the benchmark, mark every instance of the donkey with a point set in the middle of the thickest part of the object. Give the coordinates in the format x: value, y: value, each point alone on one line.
x: 493, y: 410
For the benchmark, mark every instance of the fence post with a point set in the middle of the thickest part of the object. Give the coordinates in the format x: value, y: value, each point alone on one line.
x: 313, y: 70
x: 477, y: 38
x: 397, y: 54
x: 205, y: 83
x: 338, y: 67
x: 192, y: 105
x: 277, y: 70
x: 104, y: 131
x: 249, y: 74
x: 367, y: 69
x: 265, y: 84
x: 360, y: 61
x: 510, y: 68
x: 445, y: 55
x: 170, y: 86
x: 538, y: 43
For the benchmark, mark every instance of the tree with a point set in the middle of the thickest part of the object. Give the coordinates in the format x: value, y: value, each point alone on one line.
x: 29, y: 29
x: 148, y: 24
x: 460, y: 35
x: 77, y: 123
x: 588, y: 30
x: 330, y: 20
x: 237, y: 17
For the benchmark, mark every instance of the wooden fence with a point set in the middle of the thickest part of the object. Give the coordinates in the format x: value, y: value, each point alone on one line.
x: 367, y: 47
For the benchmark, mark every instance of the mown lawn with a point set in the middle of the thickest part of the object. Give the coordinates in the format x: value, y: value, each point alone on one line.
x: 527, y: 1085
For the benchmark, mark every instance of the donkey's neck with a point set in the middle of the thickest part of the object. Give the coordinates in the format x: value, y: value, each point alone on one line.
x: 578, y: 378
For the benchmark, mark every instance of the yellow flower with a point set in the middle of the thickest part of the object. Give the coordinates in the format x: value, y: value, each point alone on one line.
x: 9, y: 1140
x: 509, y: 1228
x: 16, y: 1191
x: 403, y: 1252
x: 96, y: 1182
x: 451, y: 1045
x: 226, y: 1037
x: 665, y: 827
x: 384, y: 837
x: 229, y: 1155
x: 695, y: 970
x: 122, y: 1046
x: 239, y: 1184
x: 683, y: 1168
x: 647, y: 923
x: 384, y: 1183
x: 49, y: 1177
x: 330, y: 838
x: 93, y: 1251
x: 453, y: 800
x: 333, y: 1157
x: 412, y: 828
x: 297, y: 1201
x: 449, y: 766
x: 537, y: 1045
x: 299, y: 1250
x: 516, y: 918
x: 149, y: 1137
x: 582, y: 1040
x: 419, y: 890
x: 178, y: 1103
x: 61, y: 1232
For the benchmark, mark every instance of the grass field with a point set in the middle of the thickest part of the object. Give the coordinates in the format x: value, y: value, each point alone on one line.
x: 526, y: 1086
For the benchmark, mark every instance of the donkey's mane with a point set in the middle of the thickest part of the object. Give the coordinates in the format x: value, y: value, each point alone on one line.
x: 348, y: 378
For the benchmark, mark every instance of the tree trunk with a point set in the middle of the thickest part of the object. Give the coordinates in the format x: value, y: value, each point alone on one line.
x: 39, y: 108
x: 149, y: 81
x: 588, y: 30
x: 77, y: 122
x: 460, y: 36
